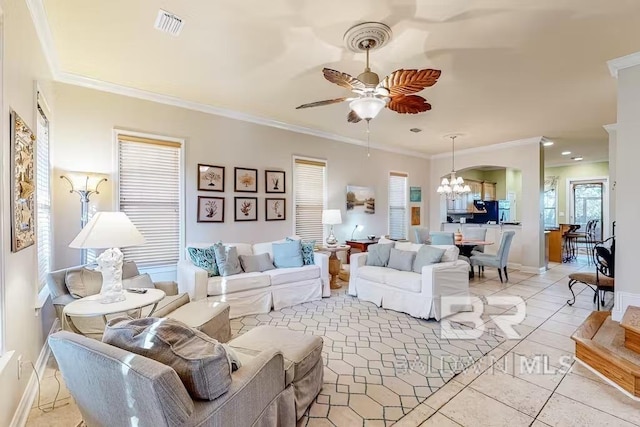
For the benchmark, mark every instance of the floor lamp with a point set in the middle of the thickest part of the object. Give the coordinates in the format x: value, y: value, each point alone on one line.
x: 83, y: 185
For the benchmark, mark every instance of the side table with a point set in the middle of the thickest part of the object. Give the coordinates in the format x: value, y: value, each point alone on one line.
x: 362, y: 245
x: 334, y: 263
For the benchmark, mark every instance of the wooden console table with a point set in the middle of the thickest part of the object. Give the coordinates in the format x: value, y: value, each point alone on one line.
x: 361, y: 245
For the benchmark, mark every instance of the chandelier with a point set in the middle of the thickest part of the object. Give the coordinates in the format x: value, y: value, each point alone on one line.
x: 454, y: 187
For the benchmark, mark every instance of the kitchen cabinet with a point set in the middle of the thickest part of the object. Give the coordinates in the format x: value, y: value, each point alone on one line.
x: 464, y: 204
x: 488, y: 191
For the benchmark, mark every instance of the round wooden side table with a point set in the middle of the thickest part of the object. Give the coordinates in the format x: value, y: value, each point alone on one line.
x: 334, y: 263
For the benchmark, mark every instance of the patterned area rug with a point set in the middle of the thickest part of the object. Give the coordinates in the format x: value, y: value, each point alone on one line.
x: 379, y: 364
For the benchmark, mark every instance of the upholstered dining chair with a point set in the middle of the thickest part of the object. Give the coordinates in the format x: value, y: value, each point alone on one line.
x: 475, y: 234
x: 421, y: 234
x: 499, y: 260
x: 441, y: 238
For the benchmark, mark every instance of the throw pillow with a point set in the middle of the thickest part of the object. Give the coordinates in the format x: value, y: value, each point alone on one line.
x: 425, y: 256
x: 450, y: 252
x: 83, y: 282
x: 140, y: 281
x: 307, y: 250
x: 204, y: 258
x: 408, y: 246
x: 378, y: 254
x: 401, y: 260
x: 227, y: 259
x: 260, y: 263
x: 287, y: 254
x: 200, y: 361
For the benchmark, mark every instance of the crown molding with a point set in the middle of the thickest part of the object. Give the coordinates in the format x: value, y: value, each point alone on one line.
x: 493, y: 147
x: 612, y: 128
x: 43, y: 31
x: 574, y: 163
x: 623, y: 62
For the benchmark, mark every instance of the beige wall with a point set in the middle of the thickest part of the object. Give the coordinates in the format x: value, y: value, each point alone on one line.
x: 25, y: 329
x: 627, y: 208
x: 525, y: 155
x: 564, y: 173
x: 85, y: 142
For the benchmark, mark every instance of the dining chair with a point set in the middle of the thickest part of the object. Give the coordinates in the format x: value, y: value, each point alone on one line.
x: 441, y: 238
x: 421, y: 234
x: 475, y: 234
x: 603, y: 280
x: 499, y: 260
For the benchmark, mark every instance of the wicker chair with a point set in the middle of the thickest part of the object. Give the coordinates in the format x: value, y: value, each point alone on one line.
x: 602, y: 280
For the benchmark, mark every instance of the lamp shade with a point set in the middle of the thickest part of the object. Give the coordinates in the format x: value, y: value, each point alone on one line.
x: 331, y: 216
x: 367, y: 108
x: 108, y: 230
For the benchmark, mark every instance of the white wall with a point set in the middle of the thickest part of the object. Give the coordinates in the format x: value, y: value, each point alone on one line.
x: 612, y: 130
x: 25, y: 331
x: 626, y: 176
x: 526, y: 155
x: 86, y: 119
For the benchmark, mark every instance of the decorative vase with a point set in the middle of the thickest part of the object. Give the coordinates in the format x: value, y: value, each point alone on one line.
x: 458, y: 236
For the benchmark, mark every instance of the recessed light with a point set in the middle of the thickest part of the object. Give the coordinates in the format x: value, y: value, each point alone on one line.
x: 415, y: 130
x: 547, y: 143
x: 566, y: 153
x: 577, y: 159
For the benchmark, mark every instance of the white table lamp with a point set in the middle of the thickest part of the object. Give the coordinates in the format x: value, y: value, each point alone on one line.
x: 331, y: 217
x: 109, y: 230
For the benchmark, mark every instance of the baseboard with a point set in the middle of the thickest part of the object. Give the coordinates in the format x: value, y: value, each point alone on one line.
x: 622, y: 301
x: 24, y: 407
x: 532, y: 269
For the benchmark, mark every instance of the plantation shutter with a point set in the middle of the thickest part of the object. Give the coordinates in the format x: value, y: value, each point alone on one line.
x: 397, y: 205
x: 309, y: 179
x: 43, y: 196
x: 149, y: 193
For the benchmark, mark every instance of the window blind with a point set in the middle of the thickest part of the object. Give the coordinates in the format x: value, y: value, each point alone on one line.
x: 149, y: 193
x: 398, y: 205
x: 309, y: 193
x: 43, y: 196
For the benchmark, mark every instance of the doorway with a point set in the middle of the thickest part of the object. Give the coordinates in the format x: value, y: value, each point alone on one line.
x: 589, y: 201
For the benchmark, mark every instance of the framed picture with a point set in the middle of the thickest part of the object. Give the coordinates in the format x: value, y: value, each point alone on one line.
x: 275, y: 209
x: 415, y: 215
x: 415, y: 194
x: 361, y: 199
x: 246, y: 209
x: 210, y: 178
x: 274, y: 181
x: 210, y: 209
x: 23, y: 184
x: 246, y: 180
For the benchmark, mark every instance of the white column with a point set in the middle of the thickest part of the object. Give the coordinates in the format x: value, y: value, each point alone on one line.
x: 627, y: 153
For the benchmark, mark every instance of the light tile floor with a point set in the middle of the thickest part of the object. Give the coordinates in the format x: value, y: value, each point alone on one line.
x: 496, y: 390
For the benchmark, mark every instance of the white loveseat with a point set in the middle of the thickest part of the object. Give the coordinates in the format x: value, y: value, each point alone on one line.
x: 417, y: 294
x: 254, y: 293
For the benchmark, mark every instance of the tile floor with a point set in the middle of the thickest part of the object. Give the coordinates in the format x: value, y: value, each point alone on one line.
x: 496, y: 390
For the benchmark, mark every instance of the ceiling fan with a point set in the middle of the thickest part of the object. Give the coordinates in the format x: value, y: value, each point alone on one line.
x: 396, y: 91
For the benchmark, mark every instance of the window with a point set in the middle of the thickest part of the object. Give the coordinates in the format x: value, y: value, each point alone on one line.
x: 398, y: 205
x: 551, y: 201
x: 43, y: 192
x: 309, y: 178
x: 149, y: 172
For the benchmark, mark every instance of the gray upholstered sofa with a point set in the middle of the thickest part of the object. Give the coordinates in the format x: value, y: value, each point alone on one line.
x: 113, y: 387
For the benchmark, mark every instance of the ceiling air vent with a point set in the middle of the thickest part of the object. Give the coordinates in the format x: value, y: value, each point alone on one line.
x: 168, y: 23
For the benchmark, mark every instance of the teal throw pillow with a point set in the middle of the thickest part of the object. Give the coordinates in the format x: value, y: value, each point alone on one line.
x: 287, y: 254
x: 204, y: 258
x: 378, y: 254
x: 427, y: 255
x: 401, y: 260
x: 307, y: 250
x: 227, y: 259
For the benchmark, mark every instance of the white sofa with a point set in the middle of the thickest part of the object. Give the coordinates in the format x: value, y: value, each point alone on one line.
x: 417, y: 294
x: 254, y: 293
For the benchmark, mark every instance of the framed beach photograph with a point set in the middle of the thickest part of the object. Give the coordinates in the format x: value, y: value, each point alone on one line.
x: 275, y: 209
x: 246, y: 180
x: 210, y: 178
x: 210, y: 209
x: 361, y: 199
x: 246, y: 209
x: 274, y: 181
x: 23, y: 184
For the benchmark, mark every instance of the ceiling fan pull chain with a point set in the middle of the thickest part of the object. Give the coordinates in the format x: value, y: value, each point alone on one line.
x: 368, y: 133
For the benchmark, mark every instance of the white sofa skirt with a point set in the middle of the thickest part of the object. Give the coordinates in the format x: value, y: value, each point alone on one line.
x: 412, y: 303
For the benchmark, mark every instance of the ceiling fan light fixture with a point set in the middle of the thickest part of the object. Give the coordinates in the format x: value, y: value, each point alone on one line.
x: 367, y: 108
